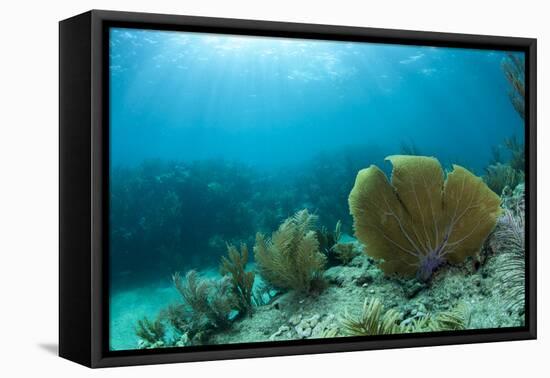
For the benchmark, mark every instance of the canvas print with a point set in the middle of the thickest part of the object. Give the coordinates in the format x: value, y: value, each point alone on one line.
x: 273, y: 189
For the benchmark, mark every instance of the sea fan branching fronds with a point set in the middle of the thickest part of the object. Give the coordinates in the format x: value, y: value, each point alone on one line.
x: 291, y: 259
x: 372, y: 320
x: 514, y: 70
x: 152, y: 332
x: 234, y: 266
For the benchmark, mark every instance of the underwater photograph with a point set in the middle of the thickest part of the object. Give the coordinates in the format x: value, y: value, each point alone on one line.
x: 268, y: 189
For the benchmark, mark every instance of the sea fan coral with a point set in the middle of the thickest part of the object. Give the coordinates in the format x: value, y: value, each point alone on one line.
x: 421, y: 220
x: 234, y: 266
x: 291, y: 258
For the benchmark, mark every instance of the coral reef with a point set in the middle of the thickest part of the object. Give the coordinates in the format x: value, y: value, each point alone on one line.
x: 291, y: 259
x: 421, y: 220
x: 409, y: 227
x: 150, y: 216
x: 450, y: 210
x: 234, y: 266
x: 458, y: 297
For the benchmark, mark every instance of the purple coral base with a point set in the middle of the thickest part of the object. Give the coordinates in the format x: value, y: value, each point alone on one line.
x: 428, y: 265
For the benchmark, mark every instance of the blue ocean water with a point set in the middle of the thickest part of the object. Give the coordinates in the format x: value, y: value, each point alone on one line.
x: 271, y: 101
x: 216, y: 137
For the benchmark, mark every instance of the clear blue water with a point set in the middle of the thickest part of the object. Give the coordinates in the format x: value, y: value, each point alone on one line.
x: 262, y: 111
x: 271, y: 101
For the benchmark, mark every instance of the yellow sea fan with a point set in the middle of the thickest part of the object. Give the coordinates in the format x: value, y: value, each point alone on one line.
x: 420, y: 220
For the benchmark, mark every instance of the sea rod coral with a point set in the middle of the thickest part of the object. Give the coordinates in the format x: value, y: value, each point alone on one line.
x: 242, y: 281
x: 514, y: 70
x: 151, y: 333
x: 211, y: 301
x: 421, y: 219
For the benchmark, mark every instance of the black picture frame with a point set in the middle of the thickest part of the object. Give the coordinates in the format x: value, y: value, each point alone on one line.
x: 83, y: 180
